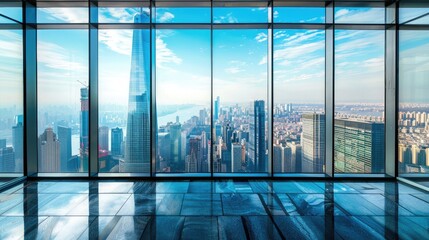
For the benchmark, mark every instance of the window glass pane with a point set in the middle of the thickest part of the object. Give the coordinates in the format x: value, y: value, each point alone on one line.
x: 240, y: 100
x: 240, y: 15
x: 359, y: 101
x: 183, y: 100
x: 62, y: 85
x: 413, y: 121
x: 11, y: 101
x: 11, y: 12
x: 299, y: 14
x: 62, y: 15
x: 359, y: 15
x: 183, y: 15
x: 414, y: 15
x: 119, y: 15
x: 124, y: 90
x: 299, y: 101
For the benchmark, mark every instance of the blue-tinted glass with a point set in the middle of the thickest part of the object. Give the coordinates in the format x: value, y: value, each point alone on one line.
x: 240, y: 15
x: 119, y: 15
x: 299, y: 109
x: 240, y: 101
x: 413, y: 150
x: 62, y: 94
x: 183, y: 71
x: 12, y: 12
x: 62, y: 15
x: 359, y: 15
x: 413, y: 15
x: 299, y: 14
x: 11, y: 101
x: 359, y: 118
x: 183, y: 15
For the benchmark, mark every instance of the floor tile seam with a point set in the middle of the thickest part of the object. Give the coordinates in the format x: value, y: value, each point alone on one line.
x: 123, y: 204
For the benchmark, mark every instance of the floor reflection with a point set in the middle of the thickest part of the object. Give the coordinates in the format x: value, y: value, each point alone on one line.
x: 213, y: 210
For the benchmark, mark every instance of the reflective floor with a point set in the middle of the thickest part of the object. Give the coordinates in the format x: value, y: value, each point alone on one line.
x: 214, y: 210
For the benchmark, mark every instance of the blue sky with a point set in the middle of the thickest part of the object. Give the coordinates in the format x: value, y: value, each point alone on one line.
x: 183, y: 57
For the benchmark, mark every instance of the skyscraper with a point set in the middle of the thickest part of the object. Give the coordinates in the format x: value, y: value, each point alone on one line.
x: 176, y: 161
x: 49, y: 152
x: 257, y: 151
x: 65, y: 138
x: 7, y: 160
x: 359, y: 146
x: 18, y: 141
x: 137, y: 146
x: 313, y: 142
x: 84, y: 129
x: 216, y: 109
x: 195, y: 157
x: 236, y: 157
x: 103, y: 138
x: 2, y: 143
x: 117, y: 137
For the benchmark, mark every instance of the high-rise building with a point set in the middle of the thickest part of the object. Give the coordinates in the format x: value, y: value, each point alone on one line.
x: 7, y: 160
x: 194, y: 159
x: 49, y: 152
x: 313, y: 142
x: 65, y: 138
x: 257, y: 151
x: 295, y: 163
x: 216, y: 109
x: 236, y: 157
x: 2, y: 143
x: 176, y: 161
x: 103, y: 138
x: 18, y: 142
x: 137, y: 146
x: 358, y: 146
x: 117, y: 137
x: 84, y: 129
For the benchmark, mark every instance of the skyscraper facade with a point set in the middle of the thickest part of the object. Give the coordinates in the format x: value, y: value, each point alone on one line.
x: 313, y: 142
x: 137, y: 146
x: 7, y: 160
x: 17, y: 142
x: 65, y: 138
x: 49, y: 152
x: 84, y: 129
x: 216, y: 109
x: 103, y: 138
x: 117, y: 137
x: 177, y: 162
x: 358, y: 146
x: 257, y: 149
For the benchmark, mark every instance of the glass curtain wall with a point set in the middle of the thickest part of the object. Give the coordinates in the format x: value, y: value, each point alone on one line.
x: 413, y: 107
x: 210, y: 88
x: 11, y: 92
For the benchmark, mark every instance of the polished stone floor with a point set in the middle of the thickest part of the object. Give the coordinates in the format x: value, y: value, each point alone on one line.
x: 213, y: 210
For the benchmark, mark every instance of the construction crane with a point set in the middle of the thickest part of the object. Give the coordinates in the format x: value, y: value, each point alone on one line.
x: 83, y: 84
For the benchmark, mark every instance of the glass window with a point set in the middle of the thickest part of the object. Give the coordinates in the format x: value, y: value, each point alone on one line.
x: 11, y: 102
x: 124, y: 99
x: 413, y: 121
x: 240, y: 101
x: 183, y: 15
x: 359, y: 101
x: 62, y: 15
x: 358, y: 15
x: 119, y: 15
x: 413, y: 15
x: 299, y: 15
x: 62, y: 89
x: 299, y: 101
x: 183, y: 90
x: 13, y: 12
x: 240, y: 15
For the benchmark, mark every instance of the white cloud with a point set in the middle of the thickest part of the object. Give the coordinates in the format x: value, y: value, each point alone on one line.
x: 119, y: 41
x: 165, y: 54
x: 54, y: 56
x: 371, y: 15
x: 69, y: 15
x: 233, y: 70
x: 166, y: 17
x: 228, y: 18
x: 261, y: 37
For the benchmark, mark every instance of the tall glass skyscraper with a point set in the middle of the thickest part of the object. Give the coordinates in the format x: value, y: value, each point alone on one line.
x: 257, y: 152
x: 137, y: 146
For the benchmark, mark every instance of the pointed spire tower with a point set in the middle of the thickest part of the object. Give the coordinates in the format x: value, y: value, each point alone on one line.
x: 137, y: 149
